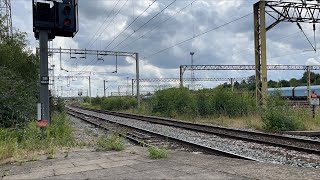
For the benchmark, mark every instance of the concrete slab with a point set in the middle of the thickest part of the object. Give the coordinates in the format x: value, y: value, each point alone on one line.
x: 111, y: 172
x: 33, y: 175
x: 145, y: 166
x: 164, y: 173
x: 121, y: 158
x: 76, y: 169
x: 92, y: 161
x: 77, y: 176
x: 126, y: 165
x: 140, y: 175
x: 119, y: 163
x: 190, y: 169
x: 211, y: 175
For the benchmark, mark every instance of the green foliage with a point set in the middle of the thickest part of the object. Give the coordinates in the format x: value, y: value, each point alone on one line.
x: 19, y: 70
x: 157, y: 153
x: 113, y: 103
x: 112, y: 142
x: 278, y: 116
x: 59, y: 107
x: 31, y: 138
x: 86, y: 100
x: 173, y: 101
x: 214, y: 102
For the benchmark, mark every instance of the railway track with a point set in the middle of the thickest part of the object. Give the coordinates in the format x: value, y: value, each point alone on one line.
x: 297, y: 144
x: 147, y: 137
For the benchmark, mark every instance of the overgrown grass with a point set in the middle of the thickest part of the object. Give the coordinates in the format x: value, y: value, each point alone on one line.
x: 19, y: 142
x: 112, y: 142
x: 157, y: 153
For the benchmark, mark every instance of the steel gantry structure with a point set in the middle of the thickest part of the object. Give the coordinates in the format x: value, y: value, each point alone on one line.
x: 307, y: 68
x: 99, y: 54
x: 73, y: 78
x: 181, y: 80
x: 152, y: 85
x: 5, y: 12
x: 280, y: 11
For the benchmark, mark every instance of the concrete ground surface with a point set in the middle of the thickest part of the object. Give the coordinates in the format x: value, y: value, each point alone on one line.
x: 134, y: 163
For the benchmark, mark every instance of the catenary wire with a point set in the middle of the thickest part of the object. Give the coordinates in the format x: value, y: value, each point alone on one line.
x: 198, y: 35
x: 105, y: 20
x: 130, y: 23
x: 170, y: 17
x: 144, y: 24
x: 92, y: 60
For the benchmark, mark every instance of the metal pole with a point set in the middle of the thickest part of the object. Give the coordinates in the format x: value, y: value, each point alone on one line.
x: 181, y: 77
x: 89, y: 90
x: 138, y: 84
x: 309, y: 84
x: 104, y: 88
x: 132, y: 87
x: 44, y: 75
x: 232, y: 83
x: 263, y: 34
x: 60, y: 59
x: 192, y: 72
x: 127, y: 86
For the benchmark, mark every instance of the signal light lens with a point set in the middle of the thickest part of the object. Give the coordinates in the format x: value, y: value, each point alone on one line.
x: 67, y: 22
x: 67, y: 10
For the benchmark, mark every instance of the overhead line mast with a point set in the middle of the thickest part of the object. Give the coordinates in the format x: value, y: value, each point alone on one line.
x: 5, y: 12
x: 294, y: 12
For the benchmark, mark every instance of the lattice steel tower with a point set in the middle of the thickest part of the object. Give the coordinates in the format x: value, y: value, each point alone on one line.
x: 5, y: 12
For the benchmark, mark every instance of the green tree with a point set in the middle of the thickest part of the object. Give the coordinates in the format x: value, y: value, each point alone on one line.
x: 19, y: 69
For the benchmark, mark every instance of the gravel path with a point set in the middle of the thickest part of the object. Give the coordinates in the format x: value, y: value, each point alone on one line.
x: 260, y: 152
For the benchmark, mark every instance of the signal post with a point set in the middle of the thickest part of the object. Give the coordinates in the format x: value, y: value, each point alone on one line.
x: 51, y: 19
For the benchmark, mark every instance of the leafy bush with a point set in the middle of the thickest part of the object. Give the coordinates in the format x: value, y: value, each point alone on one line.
x: 113, y: 142
x: 278, y: 116
x: 114, y: 103
x: 157, y: 153
x: 173, y: 101
x: 59, y: 107
x: 19, y: 69
x: 215, y: 102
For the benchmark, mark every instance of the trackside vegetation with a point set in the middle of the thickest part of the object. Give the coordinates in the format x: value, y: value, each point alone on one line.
x: 157, y: 153
x: 219, y: 106
x: 20, y: 138
x: 19, y: 69
x: 111, y: 142
x: 25, y: 142
x: 112, y: 104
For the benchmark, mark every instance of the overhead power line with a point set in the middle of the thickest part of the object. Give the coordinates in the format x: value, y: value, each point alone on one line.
x: 105, y: 20
x: 131, y: 23
x: 92, y: 60
x: 144, y: 24
x: 170, y: 17
x: 109, y: 22
x: 198, y: 35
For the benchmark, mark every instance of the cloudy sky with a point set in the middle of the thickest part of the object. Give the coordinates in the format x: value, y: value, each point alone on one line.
x: 159, y: 31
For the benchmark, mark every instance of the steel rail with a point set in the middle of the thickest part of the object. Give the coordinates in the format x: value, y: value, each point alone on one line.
x: 308, y: 146
x: 206, y: 149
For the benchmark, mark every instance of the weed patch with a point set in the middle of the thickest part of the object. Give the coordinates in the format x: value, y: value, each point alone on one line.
x: 16, y: 142
x: 157, y: 153
x: 113, y: 142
